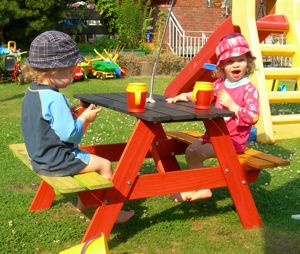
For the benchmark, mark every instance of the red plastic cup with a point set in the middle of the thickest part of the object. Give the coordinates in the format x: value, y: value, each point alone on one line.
x: 203, y: 94
x: 136, y: 95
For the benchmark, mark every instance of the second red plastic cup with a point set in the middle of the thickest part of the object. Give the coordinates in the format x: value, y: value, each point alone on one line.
x: 203, y: 94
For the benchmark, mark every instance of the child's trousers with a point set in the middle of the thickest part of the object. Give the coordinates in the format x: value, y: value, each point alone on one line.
x: 197, y: 153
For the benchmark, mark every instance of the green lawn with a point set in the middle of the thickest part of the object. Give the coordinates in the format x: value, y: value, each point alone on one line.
x: 160, y: 226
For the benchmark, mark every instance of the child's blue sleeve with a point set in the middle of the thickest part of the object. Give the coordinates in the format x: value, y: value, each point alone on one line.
x: 57, y: 111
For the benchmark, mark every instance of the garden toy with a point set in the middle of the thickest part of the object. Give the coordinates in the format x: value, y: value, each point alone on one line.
x: 102, y: 69
x: 81, y: 71
x: 95, y: 68
x: 78, y: 73
x: 96, y: 245
x: 286, y: 20
x: 103, y: 74
x: 103, y: 66
x: 113, y: 59
x: 11, y: 68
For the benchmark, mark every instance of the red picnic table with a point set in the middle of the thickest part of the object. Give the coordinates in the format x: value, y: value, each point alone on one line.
x: 148, y: 140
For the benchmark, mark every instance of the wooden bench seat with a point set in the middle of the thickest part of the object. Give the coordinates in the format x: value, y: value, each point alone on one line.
x: 65, y: 184
x: 251, y: 159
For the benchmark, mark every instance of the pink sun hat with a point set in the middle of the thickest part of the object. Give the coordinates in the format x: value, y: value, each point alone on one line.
x: 232, y: 45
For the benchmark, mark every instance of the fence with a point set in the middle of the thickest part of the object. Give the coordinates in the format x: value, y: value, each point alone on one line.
x: 185, y: 43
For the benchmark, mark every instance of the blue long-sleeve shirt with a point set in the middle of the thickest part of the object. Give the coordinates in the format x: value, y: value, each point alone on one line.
x: 50, y: 132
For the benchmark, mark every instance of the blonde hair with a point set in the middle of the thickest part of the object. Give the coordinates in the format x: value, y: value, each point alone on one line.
x: 251, y: 67
x: 35, y: 74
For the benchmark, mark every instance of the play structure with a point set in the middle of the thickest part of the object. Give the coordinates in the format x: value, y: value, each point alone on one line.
x: 286, y: 21
x: 10, y: 64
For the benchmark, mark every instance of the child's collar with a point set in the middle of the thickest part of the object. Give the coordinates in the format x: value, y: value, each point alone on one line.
x: 241, y: 82
x: 40, y: 86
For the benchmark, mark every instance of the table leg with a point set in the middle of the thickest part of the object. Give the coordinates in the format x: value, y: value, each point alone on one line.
x: 124, y: 175
x: 43, y: 198
x: 233, y: 173
x: 166, y: 162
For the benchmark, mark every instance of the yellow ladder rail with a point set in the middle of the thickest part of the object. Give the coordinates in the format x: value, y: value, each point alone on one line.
x: 271, y: 128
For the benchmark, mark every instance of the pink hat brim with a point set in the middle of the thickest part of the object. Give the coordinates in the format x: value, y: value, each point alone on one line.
x: 233, y: 52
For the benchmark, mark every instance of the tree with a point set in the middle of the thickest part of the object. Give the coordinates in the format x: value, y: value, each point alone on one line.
x: 8, y: 9
x: 129, y: 19
x: 108, y: 14
x: 24, y: 19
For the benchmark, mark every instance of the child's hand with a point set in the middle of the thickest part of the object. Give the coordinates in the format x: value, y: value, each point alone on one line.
x: 180, y: 97
x: 90, y: 113
x: 226, y: 100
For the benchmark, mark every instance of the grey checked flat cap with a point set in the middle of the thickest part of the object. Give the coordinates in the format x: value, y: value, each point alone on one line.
x: 53, y: 49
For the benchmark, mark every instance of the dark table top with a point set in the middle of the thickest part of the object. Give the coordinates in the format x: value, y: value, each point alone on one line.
x: 160, y: 111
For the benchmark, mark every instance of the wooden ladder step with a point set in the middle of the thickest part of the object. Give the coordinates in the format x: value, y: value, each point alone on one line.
x: 277, y: 50
x: 282, y: 73
x: 284, y: 97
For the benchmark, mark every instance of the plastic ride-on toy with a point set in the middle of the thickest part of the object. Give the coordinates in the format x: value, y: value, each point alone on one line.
x: 103, y: 74
x: 11, y: 63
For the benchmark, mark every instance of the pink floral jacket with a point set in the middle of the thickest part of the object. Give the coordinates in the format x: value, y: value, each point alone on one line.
x: 245, y: 94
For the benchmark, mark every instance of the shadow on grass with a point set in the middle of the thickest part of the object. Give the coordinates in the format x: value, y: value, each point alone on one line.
x: 281, y: 232
x: 178, y: 212
x: 275, y: 208
x: 17, y: 96
x: 187, y: 211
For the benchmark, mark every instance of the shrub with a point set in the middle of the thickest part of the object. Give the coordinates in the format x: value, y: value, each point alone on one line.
x: 168, y: 64
x: 105, y: 43
x: 131, y: 62
x: 145, y: 48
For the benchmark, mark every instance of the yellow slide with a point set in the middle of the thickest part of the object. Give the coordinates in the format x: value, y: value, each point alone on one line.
x: 286, y: 21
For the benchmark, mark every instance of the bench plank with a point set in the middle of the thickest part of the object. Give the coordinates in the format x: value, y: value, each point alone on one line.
x: 61, y: 185
x: 181, y: 136
x: 64, y: 184
x: 255, y: 163
x: 253, y: 159
x: 195, y: 134
x: 268, y: 157
x: 20, y: 152
x: 93, y: 181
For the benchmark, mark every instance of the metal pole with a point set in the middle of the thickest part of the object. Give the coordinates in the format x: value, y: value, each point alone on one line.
x: 150, y: 98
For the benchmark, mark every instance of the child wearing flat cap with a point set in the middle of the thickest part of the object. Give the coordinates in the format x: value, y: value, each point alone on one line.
x: 51, y: 133
x: 233, y: 91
